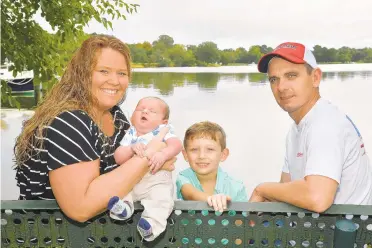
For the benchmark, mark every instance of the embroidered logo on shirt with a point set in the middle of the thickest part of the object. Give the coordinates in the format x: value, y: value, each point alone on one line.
x: 299, y: 154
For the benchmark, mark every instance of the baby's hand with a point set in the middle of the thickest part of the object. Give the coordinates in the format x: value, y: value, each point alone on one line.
x: 218, y: 202
x: 139, y: 149
x: 156, y: 162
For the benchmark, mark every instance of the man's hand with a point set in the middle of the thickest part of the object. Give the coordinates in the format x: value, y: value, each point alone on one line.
x: 218, y: 202
x: 139, y: 149
x: 156, y: 162
x: 256, y: 197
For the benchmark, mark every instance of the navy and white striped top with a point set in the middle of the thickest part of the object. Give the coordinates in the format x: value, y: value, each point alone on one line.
x: 71, y: 138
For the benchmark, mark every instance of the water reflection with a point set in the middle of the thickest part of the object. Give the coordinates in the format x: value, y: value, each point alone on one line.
x: 165, y: 82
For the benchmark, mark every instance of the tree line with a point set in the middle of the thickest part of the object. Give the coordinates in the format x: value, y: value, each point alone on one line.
x: 163, y: 52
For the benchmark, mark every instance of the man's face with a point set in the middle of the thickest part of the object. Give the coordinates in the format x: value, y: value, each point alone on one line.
x: 293, y: 87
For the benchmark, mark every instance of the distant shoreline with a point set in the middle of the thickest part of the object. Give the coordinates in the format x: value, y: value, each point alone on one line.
x: 140, y: 65
x: 252, y: 68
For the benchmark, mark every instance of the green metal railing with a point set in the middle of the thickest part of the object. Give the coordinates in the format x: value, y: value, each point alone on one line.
x: 192, y: 224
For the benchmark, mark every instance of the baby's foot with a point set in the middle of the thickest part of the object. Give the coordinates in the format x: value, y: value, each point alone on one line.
x: 144, y: 228
x: 120, y: 209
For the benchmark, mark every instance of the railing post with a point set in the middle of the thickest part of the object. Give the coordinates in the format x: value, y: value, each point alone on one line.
x: 345, y: 234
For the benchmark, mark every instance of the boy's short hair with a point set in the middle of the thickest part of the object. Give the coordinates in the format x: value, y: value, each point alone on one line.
x: 206, y: 129
x: 167, y: 109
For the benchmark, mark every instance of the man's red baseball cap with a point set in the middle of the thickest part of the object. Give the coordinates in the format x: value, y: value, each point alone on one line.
x: 291, y: 51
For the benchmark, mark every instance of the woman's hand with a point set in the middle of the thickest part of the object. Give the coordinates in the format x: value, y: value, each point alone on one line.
x: 169, y: 165
x: 157, y: 161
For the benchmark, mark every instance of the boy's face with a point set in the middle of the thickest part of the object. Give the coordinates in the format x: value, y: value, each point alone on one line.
x: 149, y: 114
x: 204, y: 155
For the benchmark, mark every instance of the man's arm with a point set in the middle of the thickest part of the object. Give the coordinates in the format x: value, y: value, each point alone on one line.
x: 315, y: 193
x: 285, y: 177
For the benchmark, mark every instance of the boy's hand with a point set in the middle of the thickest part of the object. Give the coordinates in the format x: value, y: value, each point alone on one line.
x: 218, y: 202
x: 156, y: 162
x: 139, y: 149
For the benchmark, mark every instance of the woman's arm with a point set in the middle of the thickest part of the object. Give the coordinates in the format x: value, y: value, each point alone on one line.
x: 82, y: 192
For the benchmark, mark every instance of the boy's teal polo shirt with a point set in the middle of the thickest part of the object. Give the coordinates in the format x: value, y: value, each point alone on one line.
x: 224, y: 185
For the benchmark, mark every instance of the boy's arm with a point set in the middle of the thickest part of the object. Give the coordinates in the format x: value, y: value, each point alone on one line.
x: 122, y: 154
x: 174, y: 147
x: 218, y: 201
x: 190, y: 193
x: 187, y: 191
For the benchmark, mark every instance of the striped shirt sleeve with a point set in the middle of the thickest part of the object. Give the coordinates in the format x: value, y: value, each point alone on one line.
x: 69, y: 140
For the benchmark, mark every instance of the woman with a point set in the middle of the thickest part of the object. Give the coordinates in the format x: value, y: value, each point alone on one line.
x: 65, y: 151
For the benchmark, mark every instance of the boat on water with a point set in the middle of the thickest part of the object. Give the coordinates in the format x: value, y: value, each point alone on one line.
x: 22, y: 84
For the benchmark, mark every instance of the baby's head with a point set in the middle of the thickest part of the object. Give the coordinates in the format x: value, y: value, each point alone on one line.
x: 205, y: 147
x: 150, y: 112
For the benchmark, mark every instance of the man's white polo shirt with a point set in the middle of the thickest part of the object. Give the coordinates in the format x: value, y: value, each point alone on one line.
x: 326, y: 142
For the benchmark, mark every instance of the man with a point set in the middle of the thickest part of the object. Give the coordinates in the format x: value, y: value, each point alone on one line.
x: 325, y: 159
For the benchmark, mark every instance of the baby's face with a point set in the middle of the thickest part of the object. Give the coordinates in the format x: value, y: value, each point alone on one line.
x: 149, y: 114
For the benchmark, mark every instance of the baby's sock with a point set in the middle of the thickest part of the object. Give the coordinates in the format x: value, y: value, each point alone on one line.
x: 144, y: 228
x: 119, y: 209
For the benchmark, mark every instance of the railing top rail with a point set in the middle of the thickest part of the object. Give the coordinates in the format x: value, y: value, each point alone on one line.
x: 195, y: 205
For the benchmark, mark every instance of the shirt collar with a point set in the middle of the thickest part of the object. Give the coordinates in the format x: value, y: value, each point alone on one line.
x: 219, y: 188
x: 308, y: 115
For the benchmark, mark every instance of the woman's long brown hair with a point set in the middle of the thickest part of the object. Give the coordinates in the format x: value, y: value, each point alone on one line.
x: 72, y: 92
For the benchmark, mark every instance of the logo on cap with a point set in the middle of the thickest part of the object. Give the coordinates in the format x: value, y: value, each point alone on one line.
x: 291, y: 46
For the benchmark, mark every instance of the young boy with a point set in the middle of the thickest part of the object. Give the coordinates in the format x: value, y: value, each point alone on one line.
x: 204, y: 149
x: 150, y: 116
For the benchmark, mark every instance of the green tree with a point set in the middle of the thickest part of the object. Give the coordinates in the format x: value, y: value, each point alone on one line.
x: 254, y: 54
x: 192, y: 48
x: 228, y: 56
x: 331, y: 55
x: 320, y: 53
x: 208, y: 52
x: 180, y: 56
x: 344, y: 55
x: 29, y: 47
x: 368, y: 52
x: 138, y: 53
x: 265, y: 49
x: 166, y: 40
x: 358, y: 55
x: 242, y: 55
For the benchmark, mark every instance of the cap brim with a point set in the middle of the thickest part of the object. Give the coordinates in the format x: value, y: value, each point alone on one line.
x: 263, y: 64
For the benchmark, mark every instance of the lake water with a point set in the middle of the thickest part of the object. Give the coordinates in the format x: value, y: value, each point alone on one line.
x: 241, y: 102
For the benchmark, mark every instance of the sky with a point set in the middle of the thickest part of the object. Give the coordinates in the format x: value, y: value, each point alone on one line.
x: 243, y: 23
